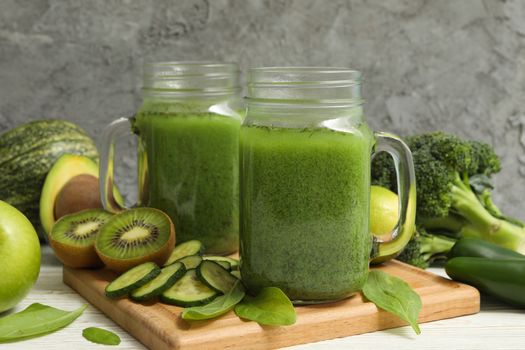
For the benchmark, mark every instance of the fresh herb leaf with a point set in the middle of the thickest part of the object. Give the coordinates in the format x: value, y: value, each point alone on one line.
x: 217, y: 307
x: 37, y: 319
x: 393, y: 295
x: 100, y: 336
x: 270, y: 307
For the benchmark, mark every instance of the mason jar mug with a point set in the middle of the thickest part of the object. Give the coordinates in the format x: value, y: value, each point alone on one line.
x: 188, y: 150
x: 305, y: 152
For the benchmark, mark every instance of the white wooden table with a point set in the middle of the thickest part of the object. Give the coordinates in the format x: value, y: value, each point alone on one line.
x: 497, y: 326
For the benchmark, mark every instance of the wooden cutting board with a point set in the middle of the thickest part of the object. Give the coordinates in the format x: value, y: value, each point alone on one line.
x: 159, y: 326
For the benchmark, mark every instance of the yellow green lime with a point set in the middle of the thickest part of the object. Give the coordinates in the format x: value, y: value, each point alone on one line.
x: 384, y: 208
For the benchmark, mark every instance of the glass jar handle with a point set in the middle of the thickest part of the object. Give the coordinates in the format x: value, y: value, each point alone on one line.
x: 406, y: 188
x: 106, y: 148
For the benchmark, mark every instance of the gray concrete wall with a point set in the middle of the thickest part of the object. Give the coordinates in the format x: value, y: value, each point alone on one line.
x: 455, y: 65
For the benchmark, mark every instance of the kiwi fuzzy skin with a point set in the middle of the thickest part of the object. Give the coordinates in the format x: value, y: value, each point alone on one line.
x: 76, y: 257
x: 159, y: 257
x: 79, y: 193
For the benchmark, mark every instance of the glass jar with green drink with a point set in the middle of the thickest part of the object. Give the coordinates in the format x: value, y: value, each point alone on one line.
x: 305, y: 185
x: 188, y: 150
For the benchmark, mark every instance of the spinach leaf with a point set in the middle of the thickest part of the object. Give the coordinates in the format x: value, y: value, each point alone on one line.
x: 270, y: 307
x: 217, y: 307
x: 393, y: 295
x: 100, y: 336
x: 37, y: 319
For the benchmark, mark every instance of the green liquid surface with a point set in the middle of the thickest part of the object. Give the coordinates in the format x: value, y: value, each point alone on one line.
x: 190, y: 165
x: 305, y: 211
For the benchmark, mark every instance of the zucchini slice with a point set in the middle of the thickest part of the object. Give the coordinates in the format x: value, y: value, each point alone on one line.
x: 192, y: 247
x: 215, y: 276
x: 234, y: 263
x: 167, y: 278
x: 226, y: 265
x: 188, y: 291
x: 132, y: 279
x: 236, y: 273
x: 191, y: 261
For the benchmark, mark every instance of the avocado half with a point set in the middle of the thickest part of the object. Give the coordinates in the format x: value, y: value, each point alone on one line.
x: 65, y: 168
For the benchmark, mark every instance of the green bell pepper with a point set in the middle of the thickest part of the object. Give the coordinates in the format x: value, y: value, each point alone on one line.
x: 492, y: 269
x: 478, y: 248
x: 501, y: 278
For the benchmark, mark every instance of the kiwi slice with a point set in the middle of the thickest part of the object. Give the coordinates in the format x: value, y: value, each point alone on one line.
x: 73, y: 237
x: 135, y: 236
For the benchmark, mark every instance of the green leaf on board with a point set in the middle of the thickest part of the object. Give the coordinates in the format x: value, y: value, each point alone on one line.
x: 100, y: 336
x: 37, y: 319
x: 270, y: 307
x: 393, y: 295
x: 217, y: 307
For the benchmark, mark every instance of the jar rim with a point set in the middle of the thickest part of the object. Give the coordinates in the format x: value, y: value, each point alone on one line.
x: 314, y: 86
x: 321, y: 69
x: 181, y: 68
x: 190, y: 78
x: 306, y: 74
x: 194, y: 63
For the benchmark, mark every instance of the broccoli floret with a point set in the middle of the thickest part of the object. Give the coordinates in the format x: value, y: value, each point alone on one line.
x: 486, y: 162
x: 424, y: 248
x: 383, y: 173
x: 447, y: 202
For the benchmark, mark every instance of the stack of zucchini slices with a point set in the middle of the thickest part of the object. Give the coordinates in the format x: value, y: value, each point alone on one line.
x: 186, y: 279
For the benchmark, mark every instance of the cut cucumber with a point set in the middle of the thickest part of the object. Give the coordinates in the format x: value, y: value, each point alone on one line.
x: 132, y: 279
x: 215, y: 276
x: 234, y: 263
x: 167, y: 278
x: 188, y: 291
x: 226, y: 265
x: 191, y: 261
x: 192, y: 247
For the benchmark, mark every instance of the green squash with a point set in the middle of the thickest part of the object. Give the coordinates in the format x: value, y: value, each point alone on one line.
x: 28, y: 152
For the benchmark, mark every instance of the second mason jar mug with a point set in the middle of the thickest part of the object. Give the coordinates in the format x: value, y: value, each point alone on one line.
x: 305, y: 184
x: 188, y: 150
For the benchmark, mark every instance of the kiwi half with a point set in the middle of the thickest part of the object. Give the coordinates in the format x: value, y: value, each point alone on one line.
x: 73, y: 237
x: 135, y: 236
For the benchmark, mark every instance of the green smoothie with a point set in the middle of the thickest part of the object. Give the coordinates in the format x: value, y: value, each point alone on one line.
x: 305, y: 210
x: 190, y: 171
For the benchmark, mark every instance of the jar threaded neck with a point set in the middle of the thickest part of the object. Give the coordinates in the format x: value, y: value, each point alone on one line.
x: 186, y: 79
x: 320, y: 86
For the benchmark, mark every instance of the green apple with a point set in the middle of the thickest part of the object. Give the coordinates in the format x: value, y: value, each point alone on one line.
x: 19, y: 256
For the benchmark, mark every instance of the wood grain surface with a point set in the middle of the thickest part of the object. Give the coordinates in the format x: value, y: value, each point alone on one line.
x: 159, y: 326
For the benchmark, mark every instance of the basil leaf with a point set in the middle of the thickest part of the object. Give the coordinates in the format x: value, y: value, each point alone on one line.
x: 37, y: 319
x: 270, y: 307
x: 393, y: 295
x: 217, y: 307
x: 100, y: 336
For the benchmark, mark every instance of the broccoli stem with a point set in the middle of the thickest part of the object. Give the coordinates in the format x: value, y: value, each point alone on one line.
x: 435, y: 245
x: 451, y: 224
x: 480, y: 223
x: 486, y: 198
x: 506, y: 235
